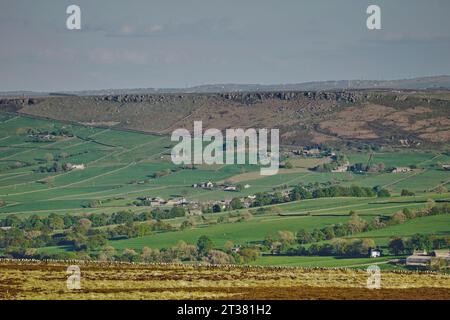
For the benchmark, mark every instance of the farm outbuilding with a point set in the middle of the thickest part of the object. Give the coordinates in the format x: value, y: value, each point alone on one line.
x: 401, y: 170
x: 419, y: 259
x: 375, y: 253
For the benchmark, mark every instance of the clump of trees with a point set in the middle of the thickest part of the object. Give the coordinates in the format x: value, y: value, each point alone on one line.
x: 85, y: 232
x: 372, y: 168
x: 407, y: 245
x: 161, y: 173
x: 91, y: 244
x: 301, y: 192
x: 55, y: 167
x: 41, y: 135
x: 407, y: 193
x: 305, y: 242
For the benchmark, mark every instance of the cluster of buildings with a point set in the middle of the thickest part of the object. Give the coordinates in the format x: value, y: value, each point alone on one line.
x: 157, y: 201
x: 341, y: 168
x: 312, y: 152
x: 419, y: 259
x: 203, y: 185
x: 209, y: 185
x: 422, y: 259
x: 401, y: 170
x: 71, y: 166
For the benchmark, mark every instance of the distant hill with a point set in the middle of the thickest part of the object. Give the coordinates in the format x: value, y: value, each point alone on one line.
x: 412, y: 84
x: 394, y: 117
x: 422, y: 83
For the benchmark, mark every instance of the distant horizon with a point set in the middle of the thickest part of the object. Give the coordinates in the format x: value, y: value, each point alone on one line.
x: 229, y: 84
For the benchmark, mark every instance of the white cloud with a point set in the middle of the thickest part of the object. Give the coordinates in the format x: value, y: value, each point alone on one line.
x: 128, y: 30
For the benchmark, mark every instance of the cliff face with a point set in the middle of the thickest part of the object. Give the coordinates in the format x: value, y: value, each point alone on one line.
x: 409, y: 119
x: 241, y: 97
x: 15, y: 104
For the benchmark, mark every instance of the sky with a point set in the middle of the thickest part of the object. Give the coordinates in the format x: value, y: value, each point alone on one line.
x: 183, y: 43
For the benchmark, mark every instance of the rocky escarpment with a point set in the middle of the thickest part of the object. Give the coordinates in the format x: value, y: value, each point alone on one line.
x: 256, y: 97
x: 15, y: 104
x: 239, y: 97
x: 383, y: 117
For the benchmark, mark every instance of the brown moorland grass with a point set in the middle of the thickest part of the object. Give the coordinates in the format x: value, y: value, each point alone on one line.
x: 28, y: 279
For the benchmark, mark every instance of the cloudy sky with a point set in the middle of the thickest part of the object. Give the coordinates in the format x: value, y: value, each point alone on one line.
x: 169, y: 43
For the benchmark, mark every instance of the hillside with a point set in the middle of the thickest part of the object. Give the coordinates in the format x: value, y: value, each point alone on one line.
x: 385, y: 117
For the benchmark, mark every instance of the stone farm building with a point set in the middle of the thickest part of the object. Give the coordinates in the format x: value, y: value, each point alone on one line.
x: 422, y: 259
x: 401, y: 170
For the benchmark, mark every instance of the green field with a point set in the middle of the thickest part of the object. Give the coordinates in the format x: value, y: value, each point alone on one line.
x: 311, y: 262
x: 120, y: 165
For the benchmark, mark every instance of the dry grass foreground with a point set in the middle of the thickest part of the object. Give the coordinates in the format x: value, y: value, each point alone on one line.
x: 47, y: 280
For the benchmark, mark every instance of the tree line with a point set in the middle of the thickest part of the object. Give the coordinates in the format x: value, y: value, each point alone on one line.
x: 315, y: 242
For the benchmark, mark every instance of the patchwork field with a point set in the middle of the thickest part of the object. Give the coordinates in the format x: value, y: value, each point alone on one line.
x: 119, y: 168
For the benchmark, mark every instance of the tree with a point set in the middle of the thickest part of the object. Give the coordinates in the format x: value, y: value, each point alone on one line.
x: 288, y: 165
x: 108, y: 252
x: 204, y: 245
x: 228, y: 246
x: 340, y: 246
x: 83, y: 226
x: 11, y: 220
x: 219, y: 257
x: 408, y: 213
x: 356, y: 191
x: 407, y: 193
x: 150, y: 255
x: 356, y: 224
x: 216, y: 208
x: 236, y: 204
x: 96, y: 241
x: 328, y: 232
x: 360, y: 247
x: 249, y: 254
x: 277, y: 198
x: 55, y: 222
x: 79, y: 240
x: 286, y: 237
x: 317, y: 235
x: 299, y: 193
x: 177, y: 211
x: 182, y: 251
x: 186, y: 224
x: 376, y: 223
x: 130, y: 255
x: 49, y: 157
x: 440, y: 189
x: 383, y: 193
x: 396, y: 246
x: 398, y: 218
x: 420, y: 242
x: 122, y: 217
x: 303, y: 236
